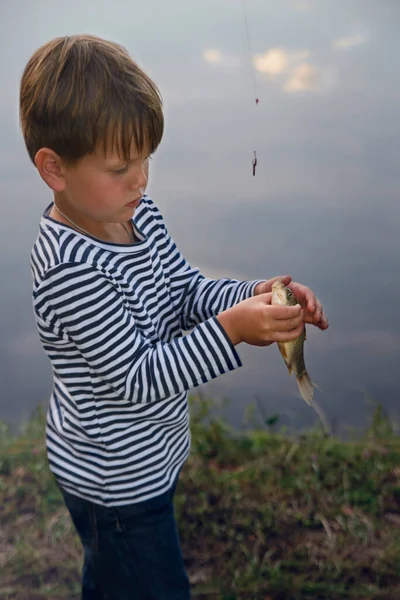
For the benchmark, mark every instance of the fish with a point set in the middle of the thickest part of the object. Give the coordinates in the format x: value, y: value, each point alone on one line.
x: 293, y: 351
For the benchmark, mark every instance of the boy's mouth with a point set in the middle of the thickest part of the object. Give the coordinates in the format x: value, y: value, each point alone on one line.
x: 134, y: 203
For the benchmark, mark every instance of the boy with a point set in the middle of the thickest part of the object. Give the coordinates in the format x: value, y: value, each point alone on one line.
x: 111, y: 297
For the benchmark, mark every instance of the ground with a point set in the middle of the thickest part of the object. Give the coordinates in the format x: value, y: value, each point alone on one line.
x: 262, y: 515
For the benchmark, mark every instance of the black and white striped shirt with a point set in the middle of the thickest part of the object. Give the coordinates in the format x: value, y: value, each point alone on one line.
x: 111, y: 319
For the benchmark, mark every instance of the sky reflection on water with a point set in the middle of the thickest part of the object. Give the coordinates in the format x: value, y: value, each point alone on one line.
x: 323, y: 207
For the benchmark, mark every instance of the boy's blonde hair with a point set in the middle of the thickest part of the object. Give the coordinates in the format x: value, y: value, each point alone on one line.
x: 79, y: 92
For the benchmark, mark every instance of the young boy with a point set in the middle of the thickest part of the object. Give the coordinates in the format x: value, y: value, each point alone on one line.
x: 111, y: 296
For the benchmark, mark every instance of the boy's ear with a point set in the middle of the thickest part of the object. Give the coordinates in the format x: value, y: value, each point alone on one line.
x: 50, y: 167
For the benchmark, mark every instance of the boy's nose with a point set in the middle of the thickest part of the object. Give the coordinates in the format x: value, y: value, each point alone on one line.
x: 139, y: 180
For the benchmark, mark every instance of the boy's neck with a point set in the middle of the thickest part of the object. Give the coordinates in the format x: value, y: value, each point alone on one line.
x: 118, y: 233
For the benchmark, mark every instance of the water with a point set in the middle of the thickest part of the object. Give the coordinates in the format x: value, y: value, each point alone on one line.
x: 324, y: 205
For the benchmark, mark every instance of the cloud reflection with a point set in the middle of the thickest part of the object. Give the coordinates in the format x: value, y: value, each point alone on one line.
x: 277, y: 63
x: 215, y: 57
x: 272, y: 62
x: 352, y: 41
x: 301, y: 76
x: 304, y: 77
x: 277, y: 60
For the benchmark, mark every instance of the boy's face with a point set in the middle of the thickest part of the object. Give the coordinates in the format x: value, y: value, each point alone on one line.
x: 106, y: 188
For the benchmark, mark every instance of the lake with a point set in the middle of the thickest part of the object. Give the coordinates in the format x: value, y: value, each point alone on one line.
x: 323, y: 206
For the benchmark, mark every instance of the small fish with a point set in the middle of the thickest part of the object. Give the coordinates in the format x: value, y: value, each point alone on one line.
x: 292, y: 352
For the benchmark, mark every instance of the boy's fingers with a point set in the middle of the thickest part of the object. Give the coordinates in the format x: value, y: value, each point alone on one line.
x: 290, y: 324
x: 318, y: 308
x: 267, y: 297
x: 286, y: 312
x: 318, y: 312
x: 288, y: 336
x: 286, y: 279
x: 323, y: 324
x: 305, y: 296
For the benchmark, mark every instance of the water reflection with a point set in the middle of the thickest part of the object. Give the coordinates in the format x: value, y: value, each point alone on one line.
x: 323, y: 206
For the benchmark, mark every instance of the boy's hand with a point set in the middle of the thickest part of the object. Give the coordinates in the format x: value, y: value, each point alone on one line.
x: 259, y: 323
x: 266, y: 286
x: 313, y: 311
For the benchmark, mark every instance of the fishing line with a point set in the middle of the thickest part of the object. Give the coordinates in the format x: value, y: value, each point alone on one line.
x: 249, y: 52
x: 252, y: 74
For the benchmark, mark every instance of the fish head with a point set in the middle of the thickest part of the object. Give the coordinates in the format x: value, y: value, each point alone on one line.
x: 282, y: 294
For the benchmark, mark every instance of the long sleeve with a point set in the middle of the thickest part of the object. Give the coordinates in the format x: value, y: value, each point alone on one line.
x: 195, y: 297
x: 81, y: 304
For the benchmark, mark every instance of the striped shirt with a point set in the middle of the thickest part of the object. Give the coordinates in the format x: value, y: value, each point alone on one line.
x: 112, y: 320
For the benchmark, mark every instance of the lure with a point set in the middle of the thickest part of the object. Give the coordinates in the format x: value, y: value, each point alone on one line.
x: 254, y: 163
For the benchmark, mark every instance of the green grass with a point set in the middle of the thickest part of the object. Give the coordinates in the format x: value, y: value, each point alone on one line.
x: 262, y: 515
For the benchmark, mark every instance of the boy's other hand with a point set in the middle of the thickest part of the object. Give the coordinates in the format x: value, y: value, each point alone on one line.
x: 266, y: 286
x: 313, y: 311
x: 259, y: 323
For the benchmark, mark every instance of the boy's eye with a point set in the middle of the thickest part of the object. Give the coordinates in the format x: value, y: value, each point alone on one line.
x: 125, y: 169
x: 121, y: 171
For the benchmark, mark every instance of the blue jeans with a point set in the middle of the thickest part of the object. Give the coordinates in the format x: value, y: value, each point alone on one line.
x: 131, y: 552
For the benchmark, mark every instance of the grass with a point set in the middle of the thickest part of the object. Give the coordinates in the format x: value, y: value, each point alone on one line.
x: 262, y: 515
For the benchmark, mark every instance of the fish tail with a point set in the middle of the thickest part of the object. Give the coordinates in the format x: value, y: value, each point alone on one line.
x: 306, y: 387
